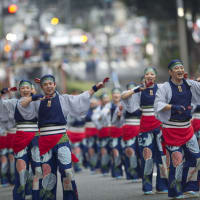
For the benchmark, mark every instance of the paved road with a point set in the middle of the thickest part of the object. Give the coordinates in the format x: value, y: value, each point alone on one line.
x: 97, y: 187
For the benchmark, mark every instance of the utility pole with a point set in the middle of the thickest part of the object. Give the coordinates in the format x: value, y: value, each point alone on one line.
x: 183, y: 45
x: 2, y: 18
x: 68, y: 17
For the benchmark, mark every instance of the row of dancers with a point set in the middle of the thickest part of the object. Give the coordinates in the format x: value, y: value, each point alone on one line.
x: 147, y: 124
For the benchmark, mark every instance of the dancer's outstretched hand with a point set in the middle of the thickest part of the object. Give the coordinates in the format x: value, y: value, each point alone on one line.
x: 100, y: 85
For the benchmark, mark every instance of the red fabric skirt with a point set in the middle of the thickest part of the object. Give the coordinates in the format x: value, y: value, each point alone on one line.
x: 130, y: 131
x: 148, y: 123
x: 177, y: 136
x: 90, y: 132
x: 22, y: 139
x: 75, y: 136
x: 3, y: 142
x: 47, y: 142
x: 115, y: 132
x: 10, y: 140
x: 196, y: 124
x: 104, y: 132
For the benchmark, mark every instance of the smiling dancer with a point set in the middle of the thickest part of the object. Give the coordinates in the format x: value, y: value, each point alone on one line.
x: 24, y: 145
x: 54, y: 145
x: 173, y: 107
x: 149, y: 139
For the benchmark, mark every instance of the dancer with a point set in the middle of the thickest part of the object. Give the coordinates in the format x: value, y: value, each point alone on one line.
x: 25, y: 146
x: 116, y: 136
x: 173, y: 107
x: 102, y: 120
x: 131, y: 127
x: 91, y: 132
x: 76, y: 134
x: 54, y: 144
x: 149, y: 139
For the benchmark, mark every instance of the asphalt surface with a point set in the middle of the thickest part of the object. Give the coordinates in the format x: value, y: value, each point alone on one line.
x: 98, y: 187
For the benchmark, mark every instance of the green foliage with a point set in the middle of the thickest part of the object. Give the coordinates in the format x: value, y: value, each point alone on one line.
x: 76, y: 85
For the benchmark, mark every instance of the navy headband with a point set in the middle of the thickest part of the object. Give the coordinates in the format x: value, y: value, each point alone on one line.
x: 47, y: 77
x: 174, y: 63
x: 152, y: 69
x: 25, y: 82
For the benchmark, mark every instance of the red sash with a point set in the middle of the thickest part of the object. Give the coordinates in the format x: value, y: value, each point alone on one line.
x: 104, y: 132
x: 130, y: 131
x: 10, y: 140
x: 3, y: 142
x: 115, y: 132
x: 90, y: 132
x: 177, y: 136
x: 75, y: 136
x: 47, y: 142
x: 148, y: 123
x: 22, y: 139
x: 196, y: 124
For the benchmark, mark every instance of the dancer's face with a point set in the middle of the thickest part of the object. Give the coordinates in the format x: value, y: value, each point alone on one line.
x: 150, y: 77
x: 116, y: 97
x: 49, y: 87
x: 177, y: 72
x: 25, y: 91
x: 105, y: 100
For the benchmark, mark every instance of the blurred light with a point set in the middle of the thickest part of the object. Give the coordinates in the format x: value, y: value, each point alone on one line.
x: 108, y: 29
x: 54, y: 21
x: 138, y: 40
x: 84, y: 38
x: 2, y: 74
x: 11, y: 37
x: 49, y: 30
x: 180, y: 12
x: 180, y: 8
x: 12, y: 8
x: 150, y: 49
x: 198, y: 22
x: 188, y: 16
x: 7, y: 48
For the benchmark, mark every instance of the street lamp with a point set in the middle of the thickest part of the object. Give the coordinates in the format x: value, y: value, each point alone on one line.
x: 54, y: 21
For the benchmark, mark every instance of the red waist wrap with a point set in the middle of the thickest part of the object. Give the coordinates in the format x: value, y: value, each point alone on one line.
x: 10, y: 140
x: 148, y: 123
x: 75, y: 136
x: 104, y: 132
x: 47, y: 142
x: 177, y: 136
x: 90, y: 132
x: 196, y: 124
x: 3, y: 142
x: 130, y: 131
x: 115, y: 132
x: 22, y: 139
